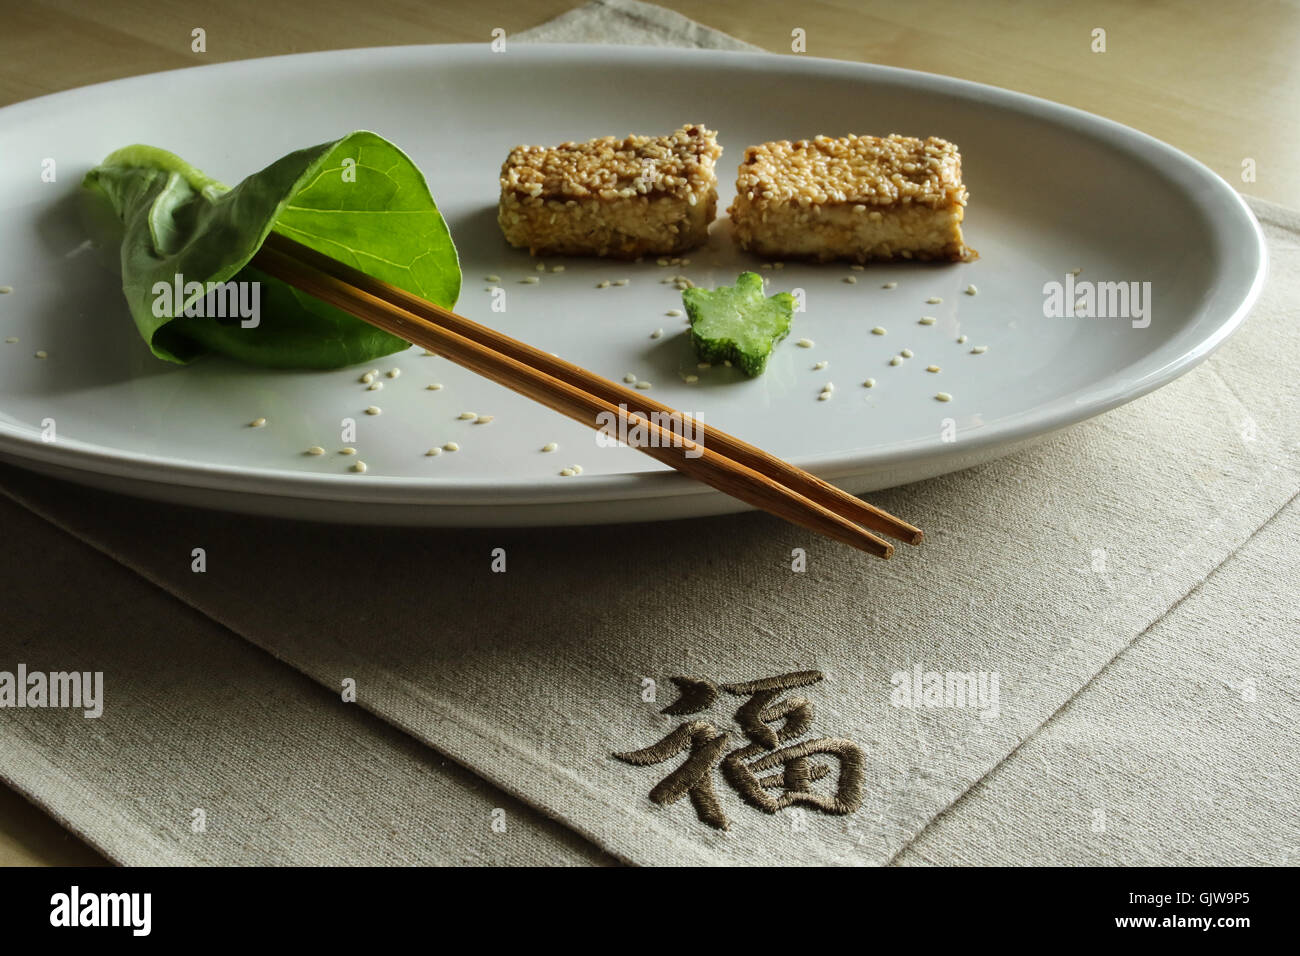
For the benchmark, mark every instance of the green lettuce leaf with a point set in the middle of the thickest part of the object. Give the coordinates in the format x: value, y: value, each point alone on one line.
x: 359, y: 199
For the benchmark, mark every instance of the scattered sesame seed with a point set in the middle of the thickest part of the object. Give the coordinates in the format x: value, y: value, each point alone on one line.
x: 577, y: 469
x: 529, y: 280
x: 703, y: 365
x: 436, y: 386
x: 766, y: 266
x: 805, y: 343
x: 686, y: 262
x: 451, y: 446
x: 347, y: 451
x: 927, y: 320
x: 557, y: 268
x: 644, y: 385
x: 979, y: 350
x: 906, y: 353
x: 41, y: 353
x: 934, y: 300
x: 1076, y: 270
x: 961, y: 340
x: 359, y: 466
x: 828, y: 387
x: 690, y: 379
x: 367, y: 378
x: 540, y: 267
x: 468, y: 416
x: 6, y: 289
x: 257, y: 423
x: 315, y: 450
x: 824, y: 397
x: 550, y: 446
x: 943, y: 397
x: 602, y: 284
x: 393, y: 372
x: 890, y: 285
x: 629, y: 378
x: 661, y: 262
x: 778, y: 265
x: 11, y: 339
x: 971, y: 290
x: 483, y: 419
x: 851, y: 280
x: 657, y: 334
x: 433, y: 452
x: 878, y: 330
x: 374, y: 386
x: 673, y: 313
x: 492, y: 278
x: 620, y: 282
x: 857, y: 268
x: 932, y: 368
x: 727, y: 362
x: 869, y: 383
x: 820, y: 365
x: 895, y: 361
x: 374, y: 410
x: 567, y: 472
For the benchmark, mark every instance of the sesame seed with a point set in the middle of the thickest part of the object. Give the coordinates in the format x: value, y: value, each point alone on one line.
x: 468, y: 416
x: 359, y: 466
x: 374, y: 410
x: 869, y: 383
x: 673, y: 313
x: 644, y: 385
x: 906, y: 353
x: 932, y: 368
x: 878, y: 330
x: 540, y: 267
x: 961, y: 340
x: 824, y: 397
x: 933, y: 300
x: 979, y: 350
x: 828, y: 387
x: 550, y: 446
x: 6, y: 289
x: 577, y: 469
x: 820, y: 365
x: 567, y: 472
x: 890, y: 285
x: 927, y: 320
x: 971, y: 290
x: 367, y: 378
x: 374, y: 386
x: 1075, y: 271
x: 557, y: 268
x: 629, y: 378
x: 492, y: 278
x: 347, y: 451
x: 429, y: 354
x: 315, y: 450
x: 805, y: 343
x: 703, y: 365
x: 895, y: 361
x: 851, y: 280
x: 767, y: 266
x: 857, y: 268
x: 727, y: 362
x: 436, y: 386
x: 686, y: 262
x: 690, y: 379
x: 483, y: 419
x: 529, y: 280
x: 433, y: 452
x: 620, y: 282
x: 41, y: 353
x: 393, y: 372
x: 661, y: 262
x: 778, y: 265
x: 943, y: 397
x: 657, y: 334
x: 451, y: 446
x: 11, y: 339
x: 602, y: 284
x: 257, y: 423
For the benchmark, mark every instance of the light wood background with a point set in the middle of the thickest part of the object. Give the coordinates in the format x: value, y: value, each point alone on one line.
x: 1219, y: 80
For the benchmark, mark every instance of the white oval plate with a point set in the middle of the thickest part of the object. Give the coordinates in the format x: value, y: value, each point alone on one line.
x: 1052, y: 190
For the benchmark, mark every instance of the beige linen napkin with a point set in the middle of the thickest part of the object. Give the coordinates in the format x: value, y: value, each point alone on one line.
x: 1043, y: 569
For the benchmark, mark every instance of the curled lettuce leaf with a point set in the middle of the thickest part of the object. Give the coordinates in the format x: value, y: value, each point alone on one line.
x: 359, y: 199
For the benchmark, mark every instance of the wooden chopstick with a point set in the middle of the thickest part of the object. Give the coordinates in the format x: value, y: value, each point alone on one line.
x: 796, y: 479
x: 711, y: 467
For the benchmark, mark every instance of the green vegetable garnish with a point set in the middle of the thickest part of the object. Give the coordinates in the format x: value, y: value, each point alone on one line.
x: 738, y: 323
x: 359, y: 199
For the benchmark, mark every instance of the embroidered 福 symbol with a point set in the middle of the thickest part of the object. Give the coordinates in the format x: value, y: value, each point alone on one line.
x: 770, y: 772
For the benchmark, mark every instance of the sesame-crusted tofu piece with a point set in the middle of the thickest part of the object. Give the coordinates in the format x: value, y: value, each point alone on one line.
x: 854, y: 197
x: 643, y: 195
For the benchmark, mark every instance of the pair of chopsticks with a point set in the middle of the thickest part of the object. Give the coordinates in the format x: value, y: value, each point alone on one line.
x: 726, y: 463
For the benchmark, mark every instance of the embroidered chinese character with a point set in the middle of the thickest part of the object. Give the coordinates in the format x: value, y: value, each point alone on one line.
x: 767, y: 775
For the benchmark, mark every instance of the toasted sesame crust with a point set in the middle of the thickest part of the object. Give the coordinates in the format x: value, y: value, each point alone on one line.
x: 642, y: 195
x: 854, y: 197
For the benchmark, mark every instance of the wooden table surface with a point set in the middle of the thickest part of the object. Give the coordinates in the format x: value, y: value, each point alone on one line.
x: 1220, y: 81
